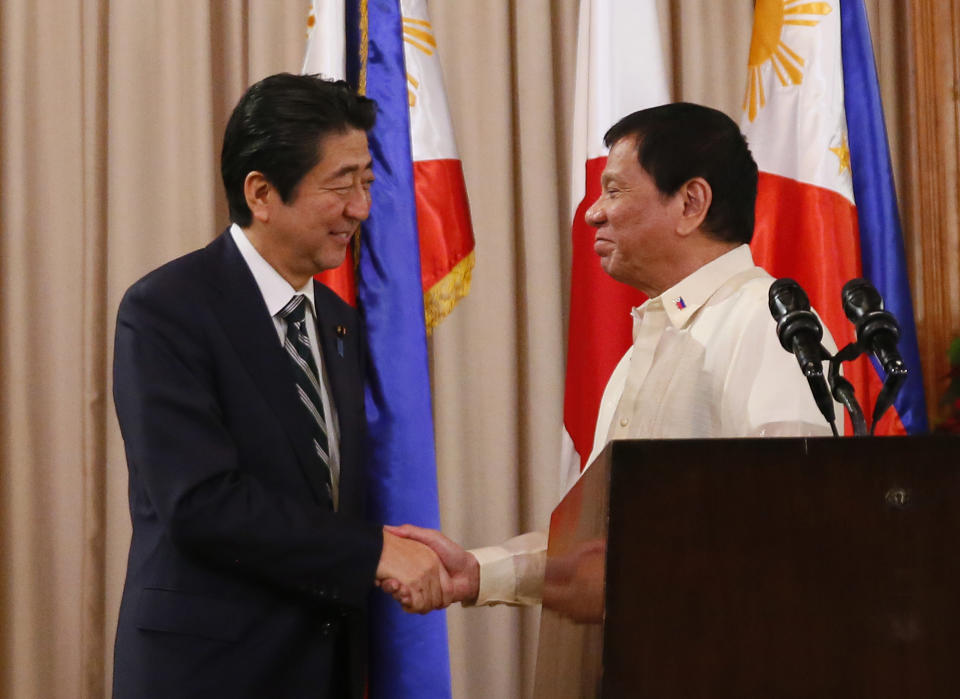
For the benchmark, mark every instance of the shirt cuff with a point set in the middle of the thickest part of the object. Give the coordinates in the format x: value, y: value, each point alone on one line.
x: 512, y: 573
x: 498, y: 582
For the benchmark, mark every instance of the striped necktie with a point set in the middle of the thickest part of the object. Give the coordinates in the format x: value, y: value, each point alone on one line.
x: 297, y: 345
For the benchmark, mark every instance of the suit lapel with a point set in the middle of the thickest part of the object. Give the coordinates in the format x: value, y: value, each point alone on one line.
x: 247, y: 323
x: 339, y: 337
x: 335, y: 338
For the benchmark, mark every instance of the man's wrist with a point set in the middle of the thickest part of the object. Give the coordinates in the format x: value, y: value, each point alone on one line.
x: 473, y: 581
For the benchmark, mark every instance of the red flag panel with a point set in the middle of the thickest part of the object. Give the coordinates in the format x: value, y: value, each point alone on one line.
x: 810, y: 234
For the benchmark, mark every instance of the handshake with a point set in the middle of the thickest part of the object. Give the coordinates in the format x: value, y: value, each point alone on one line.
x: 424, y: 570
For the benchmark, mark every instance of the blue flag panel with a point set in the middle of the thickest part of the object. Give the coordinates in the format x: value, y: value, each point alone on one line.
x: 881, y: 241
x: 409, y: 654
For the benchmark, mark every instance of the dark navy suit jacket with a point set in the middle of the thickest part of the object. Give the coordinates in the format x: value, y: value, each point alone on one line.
x: 241, y: 581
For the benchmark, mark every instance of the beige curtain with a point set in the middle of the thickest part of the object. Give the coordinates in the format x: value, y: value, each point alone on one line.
x: 111, y: 114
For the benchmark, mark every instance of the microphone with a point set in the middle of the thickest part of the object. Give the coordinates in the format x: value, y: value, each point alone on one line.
x: 800, y: 332
x: 877, y: 329
x: 877, y: 332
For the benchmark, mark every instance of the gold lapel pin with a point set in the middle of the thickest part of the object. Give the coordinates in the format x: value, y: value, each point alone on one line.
x: 341, y: 333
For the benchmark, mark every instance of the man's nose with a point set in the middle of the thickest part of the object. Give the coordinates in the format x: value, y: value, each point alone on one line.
x: 594, y: 215
x: 358, y: 204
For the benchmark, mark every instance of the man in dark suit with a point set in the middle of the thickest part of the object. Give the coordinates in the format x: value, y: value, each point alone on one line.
x: 251, y: 559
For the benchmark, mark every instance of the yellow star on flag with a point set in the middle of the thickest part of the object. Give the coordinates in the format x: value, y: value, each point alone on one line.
x: 843, y: 155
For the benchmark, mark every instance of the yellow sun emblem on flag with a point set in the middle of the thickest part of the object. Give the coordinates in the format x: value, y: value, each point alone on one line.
x: 417, y: 33
x: 767, y: 45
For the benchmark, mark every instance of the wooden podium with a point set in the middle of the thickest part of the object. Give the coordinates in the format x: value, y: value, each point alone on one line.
x: 757, y: 568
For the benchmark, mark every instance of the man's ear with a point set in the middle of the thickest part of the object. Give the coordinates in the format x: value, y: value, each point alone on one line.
x: 260, y: 195
x: 697, y: 197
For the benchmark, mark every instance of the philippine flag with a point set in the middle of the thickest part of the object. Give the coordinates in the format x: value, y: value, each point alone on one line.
x: 826, y: 207
x: 443, y: 212
x: 620, y: 69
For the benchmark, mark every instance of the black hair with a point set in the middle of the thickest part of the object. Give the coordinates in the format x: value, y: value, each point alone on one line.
x: 677, y: 142
x: 277, y: 128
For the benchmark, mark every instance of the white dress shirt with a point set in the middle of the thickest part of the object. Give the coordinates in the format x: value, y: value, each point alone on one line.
x: 277, y: 292
x: 705, y: 362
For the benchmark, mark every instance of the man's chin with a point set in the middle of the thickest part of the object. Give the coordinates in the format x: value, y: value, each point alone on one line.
x: 616, y: 272
x: 331, y: 260
x: 608, y: 266
x: 338, y: 265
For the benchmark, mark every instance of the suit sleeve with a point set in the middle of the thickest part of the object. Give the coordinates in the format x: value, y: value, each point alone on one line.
x: 185, y: 468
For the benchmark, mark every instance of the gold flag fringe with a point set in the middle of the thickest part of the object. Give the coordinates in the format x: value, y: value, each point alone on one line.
x: 446, y: 293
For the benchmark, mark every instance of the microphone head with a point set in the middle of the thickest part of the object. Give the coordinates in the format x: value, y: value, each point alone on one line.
x: 863, y: 306
x: 786, y: 296
x: 790, y: 307
x: 860, y: 298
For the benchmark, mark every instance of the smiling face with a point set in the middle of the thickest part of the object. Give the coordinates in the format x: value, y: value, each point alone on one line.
x: 636, y: 236
x: 310, y: 232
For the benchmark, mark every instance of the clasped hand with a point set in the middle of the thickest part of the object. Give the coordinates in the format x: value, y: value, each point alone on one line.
x: 424, y: 570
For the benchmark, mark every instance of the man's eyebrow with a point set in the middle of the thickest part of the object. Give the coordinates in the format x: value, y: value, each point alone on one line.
x: 347, y: 169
